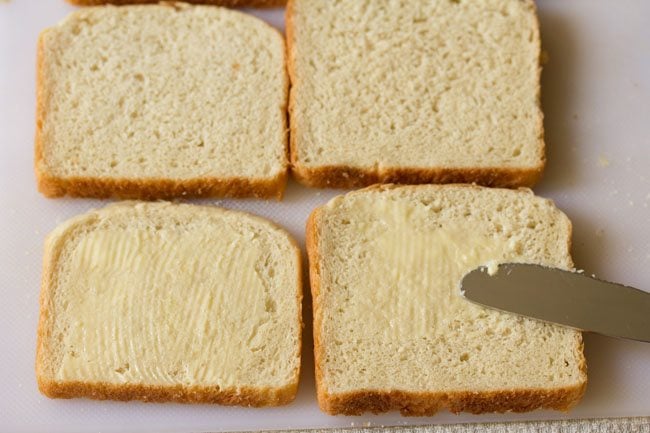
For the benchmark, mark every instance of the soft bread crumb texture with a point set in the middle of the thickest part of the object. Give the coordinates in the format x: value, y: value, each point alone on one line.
x: 391, y: 329
x: 173, y: 298
x: 415, y: 91
x: 158, y: 93
x: 228, y: 3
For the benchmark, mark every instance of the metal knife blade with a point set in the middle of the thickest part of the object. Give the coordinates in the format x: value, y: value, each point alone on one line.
x: 563, y: 297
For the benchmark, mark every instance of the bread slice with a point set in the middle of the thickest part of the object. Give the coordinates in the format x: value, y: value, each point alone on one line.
x: 161, y: 101
x: 422, y: 91
x: 391, y: 331
x: 170, y: 302
x: 229, y: 3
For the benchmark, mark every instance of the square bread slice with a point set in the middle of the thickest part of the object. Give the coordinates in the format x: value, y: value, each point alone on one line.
x: 167, y: 302
x: 161, y: 101
x: 434, y: 91
x: 391, y: 330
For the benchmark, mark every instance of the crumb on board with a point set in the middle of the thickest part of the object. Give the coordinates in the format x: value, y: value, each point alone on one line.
x: 603, y: 161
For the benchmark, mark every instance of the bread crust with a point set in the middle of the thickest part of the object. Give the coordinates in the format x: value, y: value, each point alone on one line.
x: 411, y: 403
x: 239, y: 396
x: 153, y: 189
x: 53, y: 186
x: 356, y: 177
x: 245, y: 396
x: 345, y: 176
x: 227, y: 3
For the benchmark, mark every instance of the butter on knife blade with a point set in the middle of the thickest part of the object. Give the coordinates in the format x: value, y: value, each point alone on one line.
x: 562, y: 297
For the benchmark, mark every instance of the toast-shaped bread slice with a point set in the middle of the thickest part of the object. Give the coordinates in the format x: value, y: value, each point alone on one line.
x: 170, y: 302
x: 391, y: 330
x: 435, y: 91
x: 161, y: 101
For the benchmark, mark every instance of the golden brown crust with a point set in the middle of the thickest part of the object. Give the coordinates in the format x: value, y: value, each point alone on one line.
x: 538, y: 94
x: 245, y: 396
x: 301, y: 323
x: 411, y: 403
x: 428, y: 403
x: 145, y: 189
x: 311, y: 241
x: 227, y: 3
x: 40, y: 103
x: 342, y: 176
x: 153, y: 189
x: 288, y: 29
x: 242, y: 396
x: 355, y: 177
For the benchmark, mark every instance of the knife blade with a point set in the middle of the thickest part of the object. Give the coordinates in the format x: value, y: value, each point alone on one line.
x: 562, y: 297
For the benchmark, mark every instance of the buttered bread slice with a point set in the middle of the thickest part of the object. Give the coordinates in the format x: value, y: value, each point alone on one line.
x: 170, y: 302
x: 160, y: 101
x: 391, y: 331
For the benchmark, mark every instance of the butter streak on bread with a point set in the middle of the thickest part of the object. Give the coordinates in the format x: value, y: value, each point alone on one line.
x: 415, y: 92
x: 167, y: 302
x: 391, y: 330
x: 161, y: 101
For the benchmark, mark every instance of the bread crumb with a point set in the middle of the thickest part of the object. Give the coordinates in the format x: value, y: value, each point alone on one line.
x: 492, y: 267
x: 603, y: 161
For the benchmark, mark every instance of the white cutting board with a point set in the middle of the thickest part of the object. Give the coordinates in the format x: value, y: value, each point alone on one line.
x: 596, y: 96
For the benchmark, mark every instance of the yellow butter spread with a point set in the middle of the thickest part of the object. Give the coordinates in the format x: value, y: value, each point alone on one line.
x: 162, y: 307
x: 414, y: 268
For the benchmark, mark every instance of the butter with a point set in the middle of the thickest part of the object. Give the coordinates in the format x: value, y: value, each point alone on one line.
x: 164, y: 307
x: 492, y: 267
x: 414, y: 269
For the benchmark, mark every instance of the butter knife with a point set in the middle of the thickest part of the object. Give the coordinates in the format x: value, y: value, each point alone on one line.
x: 562, y: 297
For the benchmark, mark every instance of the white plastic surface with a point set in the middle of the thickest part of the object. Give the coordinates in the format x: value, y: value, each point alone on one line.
x: 596, y: 96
